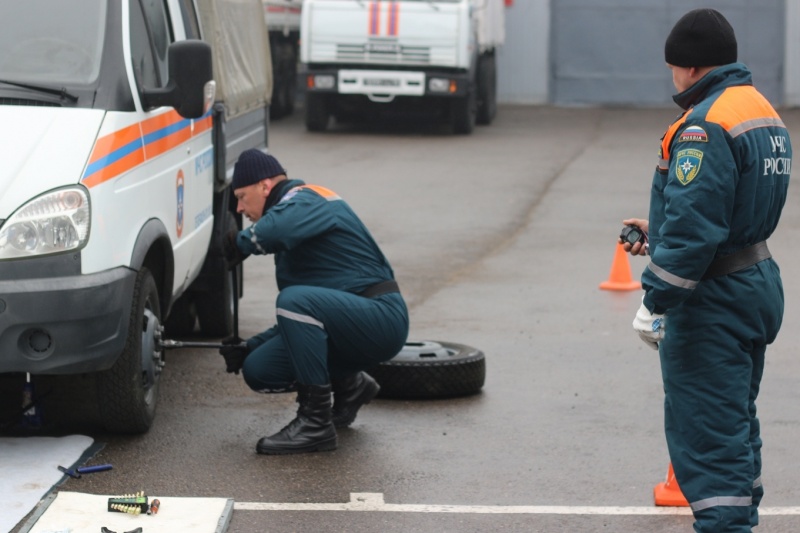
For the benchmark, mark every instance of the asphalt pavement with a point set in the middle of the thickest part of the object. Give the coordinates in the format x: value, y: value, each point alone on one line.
x: 499, y: 240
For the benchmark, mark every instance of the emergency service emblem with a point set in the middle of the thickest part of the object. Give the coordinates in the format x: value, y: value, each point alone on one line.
x: 693, y: 134
x: 688, y: 165
x: 179, y: 193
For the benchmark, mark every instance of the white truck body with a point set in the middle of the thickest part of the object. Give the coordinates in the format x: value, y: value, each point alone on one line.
x: 283, y: 15
x: 438, y: 51
x: 114, y: 188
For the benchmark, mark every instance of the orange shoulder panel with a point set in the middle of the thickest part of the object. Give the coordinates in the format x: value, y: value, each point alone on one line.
x: 666, y: 141
x: 739, y: 105
x: 322, y: 191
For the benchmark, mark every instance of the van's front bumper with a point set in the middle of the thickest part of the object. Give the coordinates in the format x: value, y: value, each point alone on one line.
x: 54, y: 320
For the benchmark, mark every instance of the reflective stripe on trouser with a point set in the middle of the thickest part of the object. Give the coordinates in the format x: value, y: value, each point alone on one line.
x: 712, y: 361
x: 326, y: 333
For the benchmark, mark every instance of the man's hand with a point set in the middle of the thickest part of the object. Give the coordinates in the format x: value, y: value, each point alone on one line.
x: 233, y: 255
x: 235, y: 352
x: 649, y: 326
x: 639, y: 248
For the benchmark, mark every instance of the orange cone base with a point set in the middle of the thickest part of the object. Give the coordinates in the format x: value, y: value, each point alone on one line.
x: 668, y: 493
x: 620, y: 285
x: 620, y: 278
x: 667, y: 496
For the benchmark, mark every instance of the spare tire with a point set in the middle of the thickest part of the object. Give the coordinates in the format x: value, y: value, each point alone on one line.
x: 431, y: 369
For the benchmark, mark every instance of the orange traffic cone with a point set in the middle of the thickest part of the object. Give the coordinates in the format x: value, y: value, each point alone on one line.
x: 668, y: 493
x: 620, y: 278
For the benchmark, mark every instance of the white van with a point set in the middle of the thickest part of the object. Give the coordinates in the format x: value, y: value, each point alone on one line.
x: 117, y: 154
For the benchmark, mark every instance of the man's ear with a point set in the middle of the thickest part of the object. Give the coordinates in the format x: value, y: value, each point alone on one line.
x: 264, y: 187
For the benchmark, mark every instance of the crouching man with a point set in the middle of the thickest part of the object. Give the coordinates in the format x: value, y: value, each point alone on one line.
x: 339, y: 310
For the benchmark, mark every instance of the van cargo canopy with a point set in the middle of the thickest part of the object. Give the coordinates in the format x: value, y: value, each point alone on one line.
x: 237, y: 33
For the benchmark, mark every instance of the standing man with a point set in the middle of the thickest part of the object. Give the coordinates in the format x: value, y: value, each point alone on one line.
x: 339, y: 310
x: 713, y: 296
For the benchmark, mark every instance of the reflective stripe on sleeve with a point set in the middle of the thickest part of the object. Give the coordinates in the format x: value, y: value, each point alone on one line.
x: 755, y: 123
x: 254, y: 240
x: 670, y: 278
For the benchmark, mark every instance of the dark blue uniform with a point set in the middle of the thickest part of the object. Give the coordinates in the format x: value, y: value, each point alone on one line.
x: 325, y: 259
x: 719, y: 188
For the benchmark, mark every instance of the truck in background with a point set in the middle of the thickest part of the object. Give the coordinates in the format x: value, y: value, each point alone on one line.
x: 437, y: 57
x: 120, y: 122
x: 283, y: 24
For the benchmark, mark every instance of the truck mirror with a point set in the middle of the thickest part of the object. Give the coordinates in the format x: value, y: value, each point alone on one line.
x: 189, y: 71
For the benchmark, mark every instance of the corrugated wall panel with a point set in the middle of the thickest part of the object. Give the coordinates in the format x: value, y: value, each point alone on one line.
x: 610, y: 52
x: 523, y: 62
x: 596, y: 52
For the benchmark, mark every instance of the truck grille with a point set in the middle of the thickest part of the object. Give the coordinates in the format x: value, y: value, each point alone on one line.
x: 382, y: 51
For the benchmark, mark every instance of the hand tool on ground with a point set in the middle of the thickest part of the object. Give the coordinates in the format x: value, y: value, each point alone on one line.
x: 76, y: 474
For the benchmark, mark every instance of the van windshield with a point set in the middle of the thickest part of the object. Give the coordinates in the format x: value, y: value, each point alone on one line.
x: 51, y: 41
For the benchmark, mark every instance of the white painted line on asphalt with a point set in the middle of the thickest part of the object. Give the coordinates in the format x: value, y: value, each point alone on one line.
x: 372, y: 501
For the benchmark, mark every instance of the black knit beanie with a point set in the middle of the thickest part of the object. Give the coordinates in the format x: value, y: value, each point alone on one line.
x: 253, y: 166
x: 701, y: 38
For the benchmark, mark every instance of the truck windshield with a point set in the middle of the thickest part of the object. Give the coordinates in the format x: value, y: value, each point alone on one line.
x: 51, y: 41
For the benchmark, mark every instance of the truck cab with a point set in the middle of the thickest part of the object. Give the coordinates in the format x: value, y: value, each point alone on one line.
x: 436, y: 57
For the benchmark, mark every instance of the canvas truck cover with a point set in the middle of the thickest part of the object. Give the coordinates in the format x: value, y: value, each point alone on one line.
x: 490, y: 15
x: 237, y: 33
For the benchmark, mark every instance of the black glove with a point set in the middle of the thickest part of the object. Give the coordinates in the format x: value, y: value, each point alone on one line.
x: 235, y: 352
x: 233, y: 255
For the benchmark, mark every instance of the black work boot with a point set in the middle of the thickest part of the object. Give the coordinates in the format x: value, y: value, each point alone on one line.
x: 310, y: 431
x: 349, y: 394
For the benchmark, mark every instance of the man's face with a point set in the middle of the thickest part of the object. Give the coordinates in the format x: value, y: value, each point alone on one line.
x: 250, y: 199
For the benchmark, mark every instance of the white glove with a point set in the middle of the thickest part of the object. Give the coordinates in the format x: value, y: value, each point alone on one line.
x: 649, y: 326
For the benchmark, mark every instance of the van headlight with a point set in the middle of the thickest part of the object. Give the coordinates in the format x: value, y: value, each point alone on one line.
x: 57, y: 221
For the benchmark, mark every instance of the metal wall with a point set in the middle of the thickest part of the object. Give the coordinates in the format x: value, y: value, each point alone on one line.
x: 611, y: 52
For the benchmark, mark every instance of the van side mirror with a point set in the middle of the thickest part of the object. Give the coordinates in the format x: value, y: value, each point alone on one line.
x: 190, y: 71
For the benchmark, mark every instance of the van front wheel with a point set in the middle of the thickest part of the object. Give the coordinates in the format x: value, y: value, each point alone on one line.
x: 128, y: 391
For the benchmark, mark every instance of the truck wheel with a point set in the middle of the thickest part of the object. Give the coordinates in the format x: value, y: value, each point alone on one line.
x: 128, y: 391
x: 285, y: 81
x: 317, y: 114
x: 487, y: 89
x: 431, y: 369
x: 463, y: 112
x: 215, y: 306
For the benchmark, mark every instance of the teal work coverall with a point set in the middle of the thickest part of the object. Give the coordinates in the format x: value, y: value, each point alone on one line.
x: 720, y: 186
x: 324, y: 259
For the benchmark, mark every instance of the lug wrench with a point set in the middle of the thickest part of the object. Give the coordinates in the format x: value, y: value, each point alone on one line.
x: 168, y: 344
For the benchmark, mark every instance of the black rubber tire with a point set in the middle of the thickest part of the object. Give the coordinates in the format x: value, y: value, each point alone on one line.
x: 487, y: 90
x: 463, y: 113
x: 182, y: 317
x: 128, y: 391
x: 317, y: 113
x: 431, y: 369
x: 215, y: 306
x: 283, y: 93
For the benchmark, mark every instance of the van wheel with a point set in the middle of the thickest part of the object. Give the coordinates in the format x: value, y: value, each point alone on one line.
x: 182, y: 317
x: 487, y: 90
x: 317, y: 113
x: 431, y: 369
x: 128, y: 391
x: 215, y: 306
